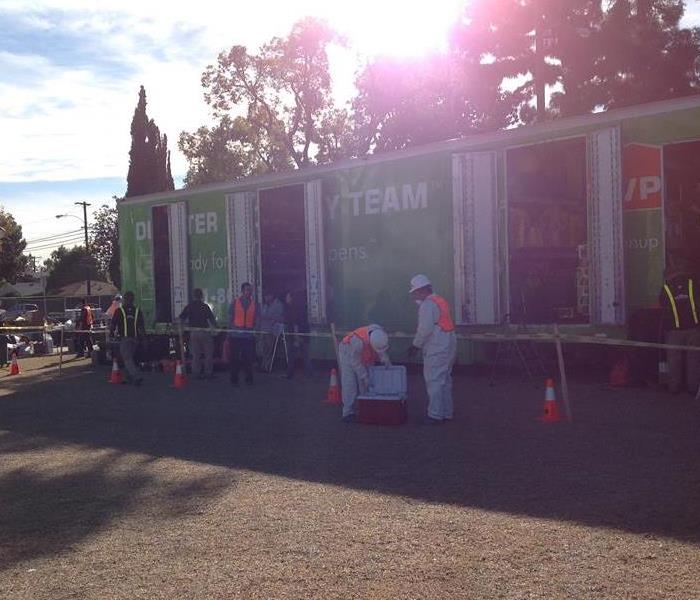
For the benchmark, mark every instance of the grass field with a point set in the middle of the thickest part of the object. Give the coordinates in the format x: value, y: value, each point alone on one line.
x: 120, y: 492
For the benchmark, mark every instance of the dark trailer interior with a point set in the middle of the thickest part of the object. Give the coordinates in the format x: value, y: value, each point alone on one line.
x: 547, y: 232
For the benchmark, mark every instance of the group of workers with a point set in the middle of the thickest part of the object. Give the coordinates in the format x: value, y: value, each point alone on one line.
x: 435, y: 339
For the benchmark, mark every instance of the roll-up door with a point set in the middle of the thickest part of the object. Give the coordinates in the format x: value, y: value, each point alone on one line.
x: 179, y: 265
x: 242, y: 241
x: 605, y: 225
x: 475, y: 215
x: 315, y: 253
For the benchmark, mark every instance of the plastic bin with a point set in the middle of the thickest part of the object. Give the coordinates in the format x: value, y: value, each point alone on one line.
x: 385, y: 401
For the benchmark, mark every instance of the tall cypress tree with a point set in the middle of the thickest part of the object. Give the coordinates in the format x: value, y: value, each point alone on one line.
x: 149, y: 157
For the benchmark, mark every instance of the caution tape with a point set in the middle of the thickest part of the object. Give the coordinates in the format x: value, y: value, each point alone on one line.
x: 482, y: 337
x: 493, y: 337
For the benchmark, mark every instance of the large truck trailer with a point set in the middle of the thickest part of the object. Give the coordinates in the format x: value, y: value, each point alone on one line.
x: 570, y: 222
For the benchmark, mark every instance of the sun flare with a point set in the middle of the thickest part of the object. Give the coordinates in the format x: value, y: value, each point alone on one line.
x: 385, y: 27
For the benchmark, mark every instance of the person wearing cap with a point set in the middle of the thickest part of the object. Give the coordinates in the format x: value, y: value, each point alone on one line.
x: 680, y: 325
x: 435, y: 338
x: 359, y: 350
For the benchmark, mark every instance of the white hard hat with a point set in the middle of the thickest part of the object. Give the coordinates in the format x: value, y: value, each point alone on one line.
x: 418, y: 282
x: 118, y: 297
x: 378, y: 339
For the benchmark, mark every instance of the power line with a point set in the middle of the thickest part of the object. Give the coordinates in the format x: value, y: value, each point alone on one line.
x: 55, y: 241
x: 57, y: 244
x: 55, y: 235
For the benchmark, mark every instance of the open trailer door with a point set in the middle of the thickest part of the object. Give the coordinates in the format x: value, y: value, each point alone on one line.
x: 315, y: 253
x: 475, y: 214
x: 606, y: 253
x: 170, y: 260
x: 243, y: 247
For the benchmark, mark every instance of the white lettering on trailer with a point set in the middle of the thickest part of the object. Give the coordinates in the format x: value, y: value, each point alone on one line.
x: 648, y: 244
x: 378, y: 201
x: 203, y: 223
x: 143, y: 230
x: 648, y: 186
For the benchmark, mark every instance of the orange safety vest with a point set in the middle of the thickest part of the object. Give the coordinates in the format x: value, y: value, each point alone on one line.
x: 444, y: 320
x: 243, y: 319
x: 87, y: 311
x: 369, y: 356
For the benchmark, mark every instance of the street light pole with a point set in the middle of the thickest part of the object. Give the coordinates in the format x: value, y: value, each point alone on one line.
x: 87, y: 249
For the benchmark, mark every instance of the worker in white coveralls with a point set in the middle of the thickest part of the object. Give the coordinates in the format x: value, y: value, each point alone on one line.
x: 435, y: 338
x: 359, y: 350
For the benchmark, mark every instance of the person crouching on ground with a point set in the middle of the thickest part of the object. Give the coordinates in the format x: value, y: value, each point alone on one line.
x: 359, y: 350
x: 435, y: 338
x: 243, y: 318
x: 128, y: 324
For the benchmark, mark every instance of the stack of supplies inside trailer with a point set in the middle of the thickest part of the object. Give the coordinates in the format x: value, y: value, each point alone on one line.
x: 385, y: 401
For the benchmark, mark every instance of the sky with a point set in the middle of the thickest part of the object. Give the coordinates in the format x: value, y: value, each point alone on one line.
x: 70, y: 74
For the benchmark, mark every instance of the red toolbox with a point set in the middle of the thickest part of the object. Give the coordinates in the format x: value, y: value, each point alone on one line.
x: 385, y: 401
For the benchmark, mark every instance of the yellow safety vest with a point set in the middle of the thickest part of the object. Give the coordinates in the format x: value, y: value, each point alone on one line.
x: 136, y: 320
x: 674, y: 307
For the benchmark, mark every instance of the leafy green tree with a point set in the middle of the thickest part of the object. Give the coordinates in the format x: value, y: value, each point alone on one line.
x: 149, y: 157
x: 284, y: 93
x: 13, y: 262
x: 410, y: 102
x: 229, y: 150
x: 633, y: 51
x: 104, y: 241
x: 65, y: 266
x: 598, y: 53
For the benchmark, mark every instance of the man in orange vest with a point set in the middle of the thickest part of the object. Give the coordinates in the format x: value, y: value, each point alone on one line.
x: 243, y: 320
x: 359, y: 350
x: 680, y: 320
x: 435, y: 338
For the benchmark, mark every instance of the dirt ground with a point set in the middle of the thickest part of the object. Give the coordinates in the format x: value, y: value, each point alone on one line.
x: 120, y: 492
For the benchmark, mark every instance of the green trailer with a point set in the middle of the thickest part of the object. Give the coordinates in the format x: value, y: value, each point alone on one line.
x: 569, y: 222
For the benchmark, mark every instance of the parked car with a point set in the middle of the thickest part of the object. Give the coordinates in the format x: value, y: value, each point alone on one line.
x: 28, y: 312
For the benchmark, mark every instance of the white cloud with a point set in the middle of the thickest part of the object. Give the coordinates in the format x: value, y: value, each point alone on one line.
x: 76, y: 116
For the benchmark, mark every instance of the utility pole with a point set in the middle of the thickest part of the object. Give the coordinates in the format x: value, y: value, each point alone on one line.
x: 87, y: 248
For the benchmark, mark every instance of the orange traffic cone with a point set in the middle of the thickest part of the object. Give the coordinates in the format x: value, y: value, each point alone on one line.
x: 14, y: 368
x: 551, y: 407
x: 179, y: 381
x: 333, y: 396
x: 116, y: 375
x: 618, y: 374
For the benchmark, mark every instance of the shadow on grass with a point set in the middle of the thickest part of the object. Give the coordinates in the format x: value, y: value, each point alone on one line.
x: 45, y: 513
x: 629, y: 461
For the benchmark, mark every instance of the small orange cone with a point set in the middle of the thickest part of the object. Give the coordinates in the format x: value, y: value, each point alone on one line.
x: 333, y: 396
x: 551, y: 407
x: 116, y: 375
x: 179, y: 381
x: 618, y: 374
x: 14, y: 368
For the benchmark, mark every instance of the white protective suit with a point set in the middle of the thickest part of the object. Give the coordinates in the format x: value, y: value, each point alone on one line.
x: 354, y: 374
x: 439, y: 353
